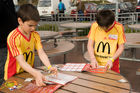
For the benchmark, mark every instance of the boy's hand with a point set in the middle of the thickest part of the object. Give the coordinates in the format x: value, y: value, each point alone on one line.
x: 39, y: 78
x: 109, y: 64
x: 53, y: 70
x: 94, y: 63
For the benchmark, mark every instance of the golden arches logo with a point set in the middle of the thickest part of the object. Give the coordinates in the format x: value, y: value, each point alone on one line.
x: 103, y: 46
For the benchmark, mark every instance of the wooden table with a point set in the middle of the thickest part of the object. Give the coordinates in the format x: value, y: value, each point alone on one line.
x: 86, y: 83
x: 75, y: 25
x: 133, y: 40
x: 63, y: 47
x: 45, y: 35
x: 134, y: 26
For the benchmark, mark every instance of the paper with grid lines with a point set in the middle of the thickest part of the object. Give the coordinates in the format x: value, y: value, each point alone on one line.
x: 73, y: 67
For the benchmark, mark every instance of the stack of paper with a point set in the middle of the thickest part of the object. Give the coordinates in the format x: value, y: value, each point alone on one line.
x: 61, y: 78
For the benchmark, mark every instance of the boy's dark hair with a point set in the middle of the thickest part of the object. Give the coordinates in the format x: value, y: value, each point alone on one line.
x: 28, y: 12
x: 105, y: 18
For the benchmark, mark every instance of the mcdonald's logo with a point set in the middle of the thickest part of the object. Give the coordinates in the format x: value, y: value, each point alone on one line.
x: 104, y: 46
x: 27, y: 55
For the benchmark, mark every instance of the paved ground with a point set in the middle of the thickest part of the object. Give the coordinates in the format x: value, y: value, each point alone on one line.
x: 128, y: 68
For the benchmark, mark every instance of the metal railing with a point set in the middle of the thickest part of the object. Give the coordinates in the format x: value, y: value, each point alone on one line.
x: 51, y: 23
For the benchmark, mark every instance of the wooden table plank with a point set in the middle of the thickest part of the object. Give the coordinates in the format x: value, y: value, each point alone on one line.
x: 81, y: 89
x: 63, y: 91
x: 106, y: 81
x: 100, y: 86
x: 24, y: 75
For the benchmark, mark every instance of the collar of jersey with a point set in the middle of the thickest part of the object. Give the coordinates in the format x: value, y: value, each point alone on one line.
x: 111, y: 27
x: 24, y: 35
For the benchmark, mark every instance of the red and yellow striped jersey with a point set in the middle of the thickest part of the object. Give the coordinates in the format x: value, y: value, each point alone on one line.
x: 18, y: 44
x: 106, y: 42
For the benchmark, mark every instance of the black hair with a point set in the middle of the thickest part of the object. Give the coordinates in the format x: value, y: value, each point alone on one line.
x: 105, y: 18
x: 28, y: 12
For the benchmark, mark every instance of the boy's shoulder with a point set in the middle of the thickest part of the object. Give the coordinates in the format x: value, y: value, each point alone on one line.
x: 95, y: 24
x: 118, y: 24
x: 35, y: 33
x: 13, y: 33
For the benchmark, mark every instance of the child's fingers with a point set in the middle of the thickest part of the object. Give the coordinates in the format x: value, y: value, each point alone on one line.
x: 97, y: 65
x: 53, y: 71
x: 40, y: 83
x: 107, y: 66
x: 44, y: 78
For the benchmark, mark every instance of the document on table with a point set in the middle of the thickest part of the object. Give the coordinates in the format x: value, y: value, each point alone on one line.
x: 74, y: 67
x: 61, y: 78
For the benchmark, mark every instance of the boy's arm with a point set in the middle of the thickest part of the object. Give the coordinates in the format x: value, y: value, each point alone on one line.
x: 90, y: 48
x: 38, y: 76
x: 44, y: 58
x: 119, y: 51
x: 116, y: 55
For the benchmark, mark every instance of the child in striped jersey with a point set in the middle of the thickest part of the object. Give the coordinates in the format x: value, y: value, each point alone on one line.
x: 22, y: 43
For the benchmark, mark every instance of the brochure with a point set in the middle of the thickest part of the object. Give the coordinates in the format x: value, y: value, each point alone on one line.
x: 61, y: 78
x: 32, y: 88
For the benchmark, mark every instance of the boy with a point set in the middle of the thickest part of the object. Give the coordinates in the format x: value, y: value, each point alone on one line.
x: 22, y: 42
x: 61, y: 9
x: 107, y: 37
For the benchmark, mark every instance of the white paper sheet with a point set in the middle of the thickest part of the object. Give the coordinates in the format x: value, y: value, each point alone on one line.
x: 61, y: 78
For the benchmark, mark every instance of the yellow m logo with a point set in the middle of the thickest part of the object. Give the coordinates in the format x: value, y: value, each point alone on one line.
x: 103, y: 46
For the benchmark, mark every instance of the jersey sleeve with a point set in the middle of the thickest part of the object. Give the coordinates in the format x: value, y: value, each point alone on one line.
x: 14, y: 46
x: 121, y: 36
x: 38, y: 43
x: 91, y: 34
